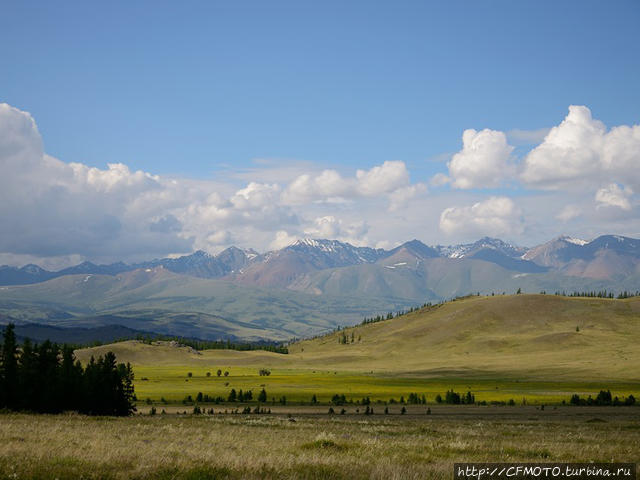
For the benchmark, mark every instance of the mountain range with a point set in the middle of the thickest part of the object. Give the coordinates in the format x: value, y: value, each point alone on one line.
x: 305, y: 288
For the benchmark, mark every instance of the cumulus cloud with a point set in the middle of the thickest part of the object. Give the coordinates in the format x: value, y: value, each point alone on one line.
x: 55, y: 213
x: 329, y: 226
x: 614, y: 195
x: 385, y: 178
x: 307, y: 188
x: 439, y: 179
x: 580, y: 152
x: 493, y: 216
x: 483, y: 162
x: 55, y: 210
x: 568, y: 213
x: 255, y: 196
x: 282, y: 239
x: 329, y: 186
x: 402, y: 196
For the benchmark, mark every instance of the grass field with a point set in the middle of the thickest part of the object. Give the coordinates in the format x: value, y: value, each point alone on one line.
x: 173, y: 384
x: 314, y: 446
x: 541, y: 348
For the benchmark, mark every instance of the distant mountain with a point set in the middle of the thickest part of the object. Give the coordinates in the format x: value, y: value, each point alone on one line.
x: 281, y: 267
x: 23, y: 275
x: 486, y: 243
x: 161, y: 301
x: 204, y: 265
x: 506, y: 261
x: 306, y: 288
x: 198, y: 264
x: 413, y: 251
x: 92, y: 268
x: 75, y: 335
x: 606, y: 257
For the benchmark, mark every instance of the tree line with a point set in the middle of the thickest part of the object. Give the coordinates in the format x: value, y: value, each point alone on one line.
x: 198, y: 344
x: 604, y: 397
x: 47, y: 378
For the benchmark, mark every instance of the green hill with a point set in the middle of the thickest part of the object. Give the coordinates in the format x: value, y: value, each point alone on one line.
x: 536, y: 337
x: 528, y: 336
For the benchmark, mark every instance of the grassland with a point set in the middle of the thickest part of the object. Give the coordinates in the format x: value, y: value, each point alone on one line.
x: 312, y: 447
x: 540, y: 348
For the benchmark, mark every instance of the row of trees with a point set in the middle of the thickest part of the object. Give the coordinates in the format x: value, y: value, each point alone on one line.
x: 454, y: 398
x: 197, y: 344
x: 391, y: 315
x: 603, y: 398
x: 598, y: 294
x: 47, y: 378
x: 451, y: 397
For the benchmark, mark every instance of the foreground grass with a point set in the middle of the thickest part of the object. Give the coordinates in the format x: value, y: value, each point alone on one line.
x: 312, y: 447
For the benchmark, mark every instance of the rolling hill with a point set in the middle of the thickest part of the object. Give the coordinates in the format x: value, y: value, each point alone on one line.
x: 514, y: 337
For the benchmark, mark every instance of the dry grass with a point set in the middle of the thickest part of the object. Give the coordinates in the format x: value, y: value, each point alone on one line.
x: 312, y: 447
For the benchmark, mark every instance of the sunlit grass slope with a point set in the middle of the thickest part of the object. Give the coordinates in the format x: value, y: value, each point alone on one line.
x: 540, y: 347
x: 531, y: 336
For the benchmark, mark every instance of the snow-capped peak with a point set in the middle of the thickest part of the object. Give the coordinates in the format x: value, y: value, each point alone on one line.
x: 575, y: 241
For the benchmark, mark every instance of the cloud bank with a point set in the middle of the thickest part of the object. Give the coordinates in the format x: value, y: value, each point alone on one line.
x: 577, y: 174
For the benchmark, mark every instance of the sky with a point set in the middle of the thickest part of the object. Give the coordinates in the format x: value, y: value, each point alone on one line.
x: 134, y: 130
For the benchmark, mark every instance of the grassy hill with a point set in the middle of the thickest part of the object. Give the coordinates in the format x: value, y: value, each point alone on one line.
x: 501, y: 348
x: 532, y: 336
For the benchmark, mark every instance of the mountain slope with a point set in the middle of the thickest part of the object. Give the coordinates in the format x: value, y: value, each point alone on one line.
x: 281, y: 267
x: 607, y: 257
x: 530, y: 335
x: 161, y: 301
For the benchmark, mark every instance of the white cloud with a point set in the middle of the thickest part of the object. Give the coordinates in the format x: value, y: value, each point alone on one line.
x: 568, y: 213
x: 255, y: 196
x: 614, y: 196
x: 569, y: 152
x: 54, y: 209
x: 307, y: 188
x: 282, y: 239
x: 385, y: 178
x: 331, y: 187
x: 439, y: 179
x: 493, y: 216
x: 401, y: 197
x: 580, y: 153
x: 331, y: 227
x: 55, y: 212
x: 483, y: 162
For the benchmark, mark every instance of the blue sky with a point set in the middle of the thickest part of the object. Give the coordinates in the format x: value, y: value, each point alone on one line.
x: 175, y: 88
x: 220, y: 91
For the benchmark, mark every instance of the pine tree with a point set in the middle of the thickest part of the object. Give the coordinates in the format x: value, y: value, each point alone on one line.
x: 9, y: 373
x: 262, y: 396
x: 232, y: 395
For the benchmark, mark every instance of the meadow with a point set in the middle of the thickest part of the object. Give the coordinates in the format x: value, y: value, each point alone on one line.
x: 540, y: 348
x: 537, y: 350
x: 173, y: 384
x: 309, y: 446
